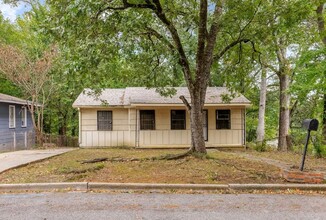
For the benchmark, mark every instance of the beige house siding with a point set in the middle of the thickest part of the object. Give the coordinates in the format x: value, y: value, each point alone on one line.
x: 91, y: 137
x: 126, y: 132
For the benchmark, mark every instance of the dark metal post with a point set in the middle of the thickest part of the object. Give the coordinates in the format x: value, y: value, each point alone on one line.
x: 305, y: 151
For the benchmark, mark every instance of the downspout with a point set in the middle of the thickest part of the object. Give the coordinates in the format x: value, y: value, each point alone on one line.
x: 80, y: 126
x: 244, y: 127
x: 136, y: 130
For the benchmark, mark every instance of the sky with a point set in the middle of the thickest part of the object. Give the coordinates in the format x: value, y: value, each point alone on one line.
x: 11, y: 13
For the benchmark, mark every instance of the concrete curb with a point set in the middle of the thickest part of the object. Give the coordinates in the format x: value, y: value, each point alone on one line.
x: 147, y: 186
x: 314, y: 187
x: 86, y: 186
x: 73, y: 186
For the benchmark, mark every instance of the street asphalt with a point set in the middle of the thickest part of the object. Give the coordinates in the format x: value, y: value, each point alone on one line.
x: 78, y: 205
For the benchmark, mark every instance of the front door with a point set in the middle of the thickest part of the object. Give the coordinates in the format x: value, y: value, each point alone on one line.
x: 205, y: 124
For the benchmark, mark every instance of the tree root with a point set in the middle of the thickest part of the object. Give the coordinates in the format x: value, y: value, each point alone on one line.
x: 171, y: 156
x: 96, y: 160
x: 118, y: 159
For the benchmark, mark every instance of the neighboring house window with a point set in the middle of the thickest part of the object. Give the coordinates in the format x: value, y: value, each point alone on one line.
x: 147, y: 119
x: 104, y: 120
x: 24, y: 116
x: 223, y: 119
x: 178, y: 119
x: 12, y: 116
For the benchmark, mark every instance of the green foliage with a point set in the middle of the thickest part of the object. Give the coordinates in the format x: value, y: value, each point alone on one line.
x: 118, y: 49
x: 7, y: 87
x: 261, y: 147
x: 319, y: 150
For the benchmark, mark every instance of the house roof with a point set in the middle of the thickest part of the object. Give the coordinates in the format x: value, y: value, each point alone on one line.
x: 133, y: 96
x: 11, y: 99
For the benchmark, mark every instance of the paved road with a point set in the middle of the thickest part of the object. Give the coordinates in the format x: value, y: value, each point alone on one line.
x: 52, y: 206
x: 17, y: 158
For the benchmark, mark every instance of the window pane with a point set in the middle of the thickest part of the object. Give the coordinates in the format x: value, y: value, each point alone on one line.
x: 12, y: 117
x: 205, y: 124
x: 104, y: 120
x: 223, y: 119
x: 147, y: 120
x: 23, y: 115
x: 178, y: 119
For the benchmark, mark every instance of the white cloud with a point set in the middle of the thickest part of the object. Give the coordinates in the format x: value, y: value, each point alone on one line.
x: 10, y: 12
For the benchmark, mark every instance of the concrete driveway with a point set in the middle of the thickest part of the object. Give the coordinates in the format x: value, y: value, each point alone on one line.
x: 14, y: 159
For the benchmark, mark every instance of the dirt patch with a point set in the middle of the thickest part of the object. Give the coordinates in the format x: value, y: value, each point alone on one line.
x: 220, y: 168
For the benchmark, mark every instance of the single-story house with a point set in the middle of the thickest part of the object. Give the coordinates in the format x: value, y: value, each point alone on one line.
x: 16, y: 127
x: 141, y: 117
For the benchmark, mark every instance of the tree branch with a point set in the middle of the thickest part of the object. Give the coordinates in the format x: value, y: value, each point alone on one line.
x: 202, y: 30
x: 234, y: 43
x: 161, y: 38
x: 183, y: 60
x: 321, y: 22
x: 266, y: 65
x: 156, y: 7
x: 186, y: 103
x: 126, y: 5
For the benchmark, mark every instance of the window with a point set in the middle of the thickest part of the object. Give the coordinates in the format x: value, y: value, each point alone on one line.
x: 205, y: 124
x: 104, y: 120
x: 12, y: 116
x: 223, y: 120
x: 24, y: 117
x: 147, y: 119
x: 178, y: 119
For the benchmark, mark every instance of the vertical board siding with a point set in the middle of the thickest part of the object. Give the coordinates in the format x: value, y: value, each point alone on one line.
x: 118, y: 137
x: 124, y: 131
x: 17, y: 138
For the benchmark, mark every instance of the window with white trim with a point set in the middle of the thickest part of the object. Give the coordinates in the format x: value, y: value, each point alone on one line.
x: 12, y: 116
x: 24, y: 116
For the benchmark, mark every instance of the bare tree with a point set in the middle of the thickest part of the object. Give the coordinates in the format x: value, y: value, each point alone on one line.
x: 32, y: 76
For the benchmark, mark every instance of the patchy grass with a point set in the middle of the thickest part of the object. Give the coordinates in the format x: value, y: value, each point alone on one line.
x: 217, y: 167
x: 311, y: 163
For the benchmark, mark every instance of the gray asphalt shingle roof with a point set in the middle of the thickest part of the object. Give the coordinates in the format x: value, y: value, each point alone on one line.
x: 142, y: 95
x: 11, y: 99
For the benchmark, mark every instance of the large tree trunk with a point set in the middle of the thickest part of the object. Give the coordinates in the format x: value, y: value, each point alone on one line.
x: 321, y: 28
x: 262, y: 106
x: 196, y: 118
x: 284, y: 117
x: 39, y: 138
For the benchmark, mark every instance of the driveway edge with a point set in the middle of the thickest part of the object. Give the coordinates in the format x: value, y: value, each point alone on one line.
x: 89, y: 186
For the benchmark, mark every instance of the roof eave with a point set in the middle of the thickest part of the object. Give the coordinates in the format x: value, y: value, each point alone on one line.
x: 181, y: 104
x: 100, y: 106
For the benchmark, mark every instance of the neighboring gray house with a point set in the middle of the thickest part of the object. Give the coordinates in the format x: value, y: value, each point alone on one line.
x: 16, y: 127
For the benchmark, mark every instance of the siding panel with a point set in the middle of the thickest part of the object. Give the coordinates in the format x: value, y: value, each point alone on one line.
x: 14, y: 138
x: 124, y: 133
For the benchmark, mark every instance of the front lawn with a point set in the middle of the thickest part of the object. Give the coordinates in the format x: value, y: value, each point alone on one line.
x: 223, y: 168
x: 292, y: 158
